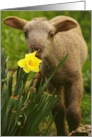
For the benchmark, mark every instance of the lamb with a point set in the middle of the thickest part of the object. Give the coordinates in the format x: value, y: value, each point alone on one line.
x: 53, y: 39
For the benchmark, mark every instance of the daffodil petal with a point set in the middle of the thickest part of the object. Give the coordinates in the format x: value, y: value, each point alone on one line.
x: 26, y: 55
x: 30, y: 55
x: 34, y: 53
x: 26, y: 69
x: 21, y: 63
x: 34, y: 69
x: 33, y: 65
x: 38, y: 60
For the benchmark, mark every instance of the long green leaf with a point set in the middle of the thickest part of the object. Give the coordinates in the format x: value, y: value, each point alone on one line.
x: 2, y: 57
x: 10, y: 81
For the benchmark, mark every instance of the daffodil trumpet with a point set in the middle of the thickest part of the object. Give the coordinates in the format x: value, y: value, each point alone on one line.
x: 30, y: 63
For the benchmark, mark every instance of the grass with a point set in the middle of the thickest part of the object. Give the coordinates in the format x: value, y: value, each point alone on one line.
x: 86, y: 109
x: 14, y: 43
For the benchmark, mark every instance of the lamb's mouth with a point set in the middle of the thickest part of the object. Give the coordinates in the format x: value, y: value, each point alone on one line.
x: 38, y: 53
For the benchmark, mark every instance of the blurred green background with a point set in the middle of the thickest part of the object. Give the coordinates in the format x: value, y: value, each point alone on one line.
x: 14, y: 43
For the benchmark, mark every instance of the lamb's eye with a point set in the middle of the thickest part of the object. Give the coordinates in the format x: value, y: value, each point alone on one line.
x: 26, y: 33
x: 51, y: 34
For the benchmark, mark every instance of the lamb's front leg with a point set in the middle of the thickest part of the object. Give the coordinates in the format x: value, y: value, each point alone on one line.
x: 73, y: 95
x: 59, y: 112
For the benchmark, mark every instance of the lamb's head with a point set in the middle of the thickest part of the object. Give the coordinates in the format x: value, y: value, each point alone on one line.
x: 39, y: 32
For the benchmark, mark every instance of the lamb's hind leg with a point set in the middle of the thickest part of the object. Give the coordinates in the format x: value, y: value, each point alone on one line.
x: 60, y: 113
x: 73, y: 95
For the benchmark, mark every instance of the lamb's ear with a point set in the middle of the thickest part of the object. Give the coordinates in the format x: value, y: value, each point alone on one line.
x: 15, y: 22
x: 64, y: 25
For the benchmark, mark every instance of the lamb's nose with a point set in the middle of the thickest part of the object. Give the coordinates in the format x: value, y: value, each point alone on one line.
x: 36, y: 49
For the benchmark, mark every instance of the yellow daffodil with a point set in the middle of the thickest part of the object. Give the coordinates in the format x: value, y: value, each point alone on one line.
x: 30, y: 63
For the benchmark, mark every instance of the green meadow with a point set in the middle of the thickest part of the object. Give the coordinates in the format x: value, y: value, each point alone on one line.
x: 14, y: 43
